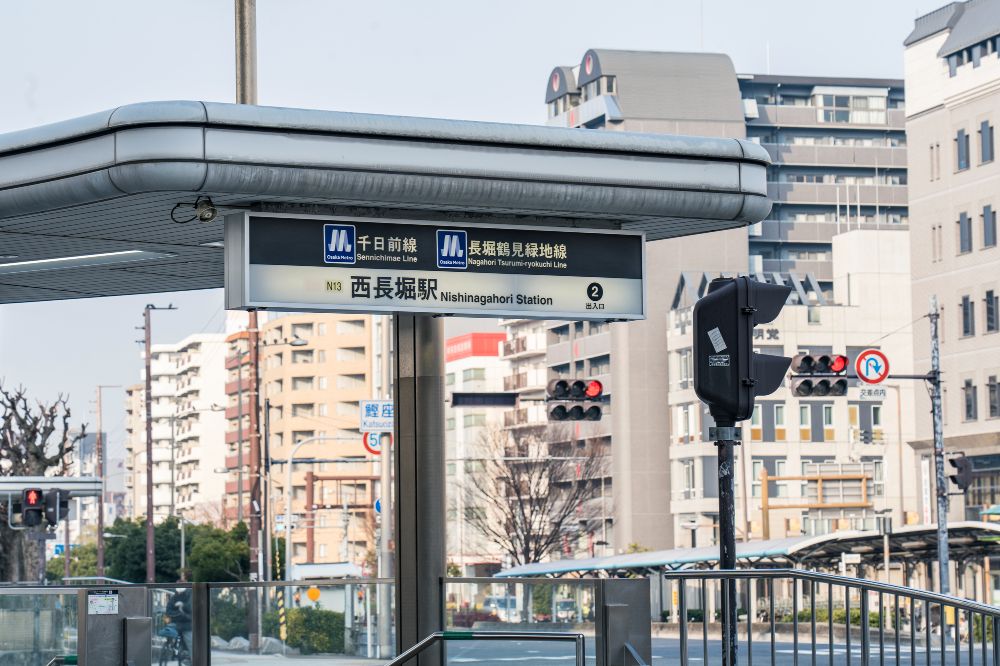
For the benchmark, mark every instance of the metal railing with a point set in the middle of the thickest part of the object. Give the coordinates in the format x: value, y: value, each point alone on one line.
x: 826, y: 619
x: 442, y: 636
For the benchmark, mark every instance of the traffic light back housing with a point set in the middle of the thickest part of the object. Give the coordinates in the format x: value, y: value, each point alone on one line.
x: 728, y: 375
x: 963, y: 472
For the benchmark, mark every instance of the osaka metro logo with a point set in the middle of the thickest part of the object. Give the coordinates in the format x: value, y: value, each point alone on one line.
x: 338, y: 244
x: 452, y: 249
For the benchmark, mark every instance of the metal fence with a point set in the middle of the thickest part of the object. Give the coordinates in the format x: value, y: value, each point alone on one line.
x: 784, y: 617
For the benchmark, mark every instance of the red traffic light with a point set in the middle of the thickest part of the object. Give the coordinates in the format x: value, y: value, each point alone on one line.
x: 838, y: 363
x: 32, y: 498
x: 594, y: 389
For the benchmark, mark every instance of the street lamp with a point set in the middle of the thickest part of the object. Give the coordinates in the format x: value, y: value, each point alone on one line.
x: 693, y: 526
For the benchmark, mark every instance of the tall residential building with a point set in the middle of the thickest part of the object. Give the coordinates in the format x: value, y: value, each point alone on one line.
x: 472, y: 363
x: 825, y: 136
x: 313, y: 389
x: 188, y: 429
x: 952, y: 72
x: 797, y: 436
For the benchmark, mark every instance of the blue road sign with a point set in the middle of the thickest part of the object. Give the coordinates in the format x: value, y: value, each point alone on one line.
x: 378, y: 505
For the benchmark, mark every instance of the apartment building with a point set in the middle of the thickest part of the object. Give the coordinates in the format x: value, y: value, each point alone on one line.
x: 952, y: 73
x: 315, y: 369
x: 821, y: 144
x: 188, y: 429
x: 791, y: 436
x: 472, y: 364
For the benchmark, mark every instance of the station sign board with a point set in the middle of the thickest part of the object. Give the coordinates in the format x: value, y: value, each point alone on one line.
x: 340, y: 264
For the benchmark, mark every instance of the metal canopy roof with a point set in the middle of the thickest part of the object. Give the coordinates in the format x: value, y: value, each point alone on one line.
x: 914, y: 543
x: 85, y: 204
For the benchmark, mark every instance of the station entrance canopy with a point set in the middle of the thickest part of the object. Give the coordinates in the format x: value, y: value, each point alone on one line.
x: 85, y: 204
x: 967, y: 541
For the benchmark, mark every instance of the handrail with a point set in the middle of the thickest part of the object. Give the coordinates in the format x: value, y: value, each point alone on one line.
x: 801, y: 574
x: 468, y: 635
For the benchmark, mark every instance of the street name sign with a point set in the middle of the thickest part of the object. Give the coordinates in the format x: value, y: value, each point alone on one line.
x: 341, y: 264
x: 377, y: 416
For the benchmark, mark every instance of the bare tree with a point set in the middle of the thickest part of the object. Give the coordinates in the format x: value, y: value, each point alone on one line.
x: 35, y: 439
x: 526, y: 496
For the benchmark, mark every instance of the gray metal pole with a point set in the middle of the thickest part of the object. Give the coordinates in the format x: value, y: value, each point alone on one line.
x: 100, y: 499
x: 246, y: 51
x: 173, y: 465
x: 150, y: 541
x: 942, y: 482
x: 419, y: 508
x: 727, y: 542
x: 386, y: 569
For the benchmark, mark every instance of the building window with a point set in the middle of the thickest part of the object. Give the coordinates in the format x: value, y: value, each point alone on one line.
x: 985, y: 142
x: 961, y: 150
x: 449, y: 379
x: 969, y: 395
x: 876, y: 416
x: 473, y: 374
x: 600, y: 365
x: 757, y: 467
x: 474, y: 420
x: 756, y: 433
x: 302, y: 383
x: 302, y: 356
x: 689, y: 478
x: 992, y: 311
x: 827, y: 416
x: 684, y: 369
x: 302, y: 330
x: 989, y: 227
x: 968, y: 317
x: 812, y: 315
x: 964, y: 233
x: 993, y: 396
x: 779, y: 423
x: 449, y: 423
x: 302, y: 409
x: 805, y: 423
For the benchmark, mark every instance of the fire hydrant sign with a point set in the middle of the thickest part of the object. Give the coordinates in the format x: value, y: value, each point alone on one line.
x: 319, y: 263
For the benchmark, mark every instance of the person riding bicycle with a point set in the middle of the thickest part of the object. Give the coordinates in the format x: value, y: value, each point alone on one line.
x: 178, y: 624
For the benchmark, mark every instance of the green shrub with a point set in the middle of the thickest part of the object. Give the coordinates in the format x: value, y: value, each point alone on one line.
x: 311, y: 630
x: 229, y: 618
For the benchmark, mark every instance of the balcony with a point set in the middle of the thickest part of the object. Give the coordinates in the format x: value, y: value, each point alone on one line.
x: 780, y: 115
x: 232, y: 388
x: 233, y: 486
x: 233, y: 436
x: 826, y: 193
x: 233, y: 460
x: 521, y: 346
x: 525, y: 417
x: 821, y: 155
x: 234, y: 411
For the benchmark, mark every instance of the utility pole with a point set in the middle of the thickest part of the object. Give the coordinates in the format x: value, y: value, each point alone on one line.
x: 246, y: 93
x: 150, y: 539
x: 942, y: 482
x: 239, y: 435
x: 173, y: 466
x: 101, y: 473
x: 727, y: 436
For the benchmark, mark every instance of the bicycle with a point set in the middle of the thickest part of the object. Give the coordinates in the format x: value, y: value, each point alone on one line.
x: 174, y: 647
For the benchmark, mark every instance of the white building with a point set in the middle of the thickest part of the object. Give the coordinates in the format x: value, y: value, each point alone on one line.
x: 472, y: 363
x: 790, y: 436
x: 188, y: 384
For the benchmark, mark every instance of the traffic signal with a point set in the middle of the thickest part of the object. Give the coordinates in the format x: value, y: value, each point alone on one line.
x: 575, y: 400
x: 32, y: 505
x: 867, y: 437
x: 56, y: 506
x: 728, y: 375
x: 963, y: 472
x: 811, y: 375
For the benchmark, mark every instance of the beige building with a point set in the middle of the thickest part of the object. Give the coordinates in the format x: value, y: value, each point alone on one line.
x: 310, y: 389
x: 952, y: 74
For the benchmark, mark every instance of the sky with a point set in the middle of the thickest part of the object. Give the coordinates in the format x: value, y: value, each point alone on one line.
x: 473, y: 60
